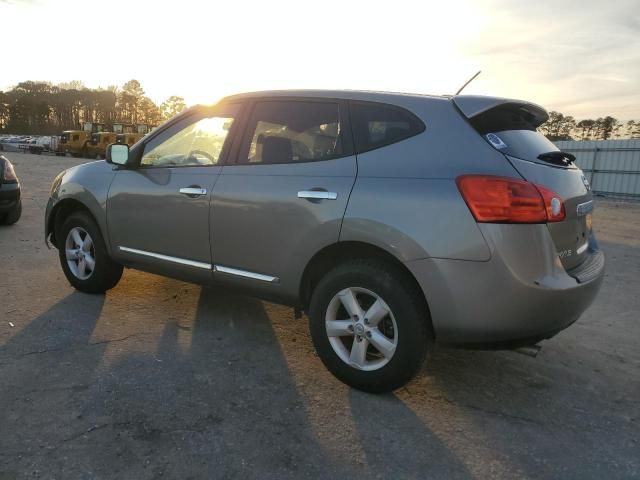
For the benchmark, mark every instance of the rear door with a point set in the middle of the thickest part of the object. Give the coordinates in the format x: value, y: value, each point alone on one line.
x: 510, y: 127
x: 286, y: 194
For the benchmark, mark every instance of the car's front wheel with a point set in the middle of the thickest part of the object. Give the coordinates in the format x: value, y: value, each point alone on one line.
x: 84, y: 257
x: 370, y: 325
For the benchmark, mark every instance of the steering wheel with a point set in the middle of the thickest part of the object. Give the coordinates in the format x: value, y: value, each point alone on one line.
x: 195, y: 153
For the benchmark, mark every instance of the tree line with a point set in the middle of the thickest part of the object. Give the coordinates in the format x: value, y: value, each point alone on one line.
x: 43, y: 108
x: 565, y: 127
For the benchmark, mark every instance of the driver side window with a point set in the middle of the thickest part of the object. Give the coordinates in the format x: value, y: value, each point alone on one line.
x: 199, y: 143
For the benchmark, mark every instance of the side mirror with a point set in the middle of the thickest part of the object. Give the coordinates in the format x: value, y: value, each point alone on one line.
x: 117, y: 153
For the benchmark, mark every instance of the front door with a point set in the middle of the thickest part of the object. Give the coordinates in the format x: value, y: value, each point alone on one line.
x: 158, y: 213
x: 285, y: 196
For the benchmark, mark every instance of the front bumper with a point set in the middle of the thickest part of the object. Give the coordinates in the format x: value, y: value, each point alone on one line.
x: 48, y: 223
x: 518, y: 297
x: 9, y: 196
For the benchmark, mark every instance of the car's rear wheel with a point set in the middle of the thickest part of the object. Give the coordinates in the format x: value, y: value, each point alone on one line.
x: 84, y: 257
x: 370, y: 325
x: 13, y: 216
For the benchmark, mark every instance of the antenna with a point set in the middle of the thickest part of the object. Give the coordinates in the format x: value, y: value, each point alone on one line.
x: 468, y: 82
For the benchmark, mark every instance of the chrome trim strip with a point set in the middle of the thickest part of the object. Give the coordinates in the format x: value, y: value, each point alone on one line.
x: 317, y: 195
x: 582, y: 248
x: 167, y: 258
x: 245, y: 274
x: 584, y: 208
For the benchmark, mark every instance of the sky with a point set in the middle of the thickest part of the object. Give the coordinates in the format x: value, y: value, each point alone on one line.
x: 581, y: 57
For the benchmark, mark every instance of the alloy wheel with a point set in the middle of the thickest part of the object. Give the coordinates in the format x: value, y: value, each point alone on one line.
x: 361, y: 328
x: 80, y: 253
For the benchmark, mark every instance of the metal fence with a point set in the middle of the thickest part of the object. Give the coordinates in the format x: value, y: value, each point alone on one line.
x: 611, y: 166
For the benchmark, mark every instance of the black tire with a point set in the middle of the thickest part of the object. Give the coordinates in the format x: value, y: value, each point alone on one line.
x: 14, y: 215
x: 400, y: 293
x: 106, y: 273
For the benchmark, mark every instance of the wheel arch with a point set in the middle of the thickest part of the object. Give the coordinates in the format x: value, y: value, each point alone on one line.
x: 336, y: 253
x: 62, y: 210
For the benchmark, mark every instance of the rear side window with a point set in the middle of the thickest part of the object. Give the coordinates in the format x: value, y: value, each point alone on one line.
x: 377, y: 125
x: 293, y: 131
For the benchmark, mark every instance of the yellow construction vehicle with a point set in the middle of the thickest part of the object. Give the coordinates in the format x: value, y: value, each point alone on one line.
x: 76, y: 142
x: 129, y: 133
x: 97, y: 146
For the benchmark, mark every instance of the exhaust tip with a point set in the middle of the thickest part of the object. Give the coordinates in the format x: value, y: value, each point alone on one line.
x: 529, y: 350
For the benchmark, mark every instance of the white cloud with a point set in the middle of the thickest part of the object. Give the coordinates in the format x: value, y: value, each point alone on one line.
x: 579, y: 57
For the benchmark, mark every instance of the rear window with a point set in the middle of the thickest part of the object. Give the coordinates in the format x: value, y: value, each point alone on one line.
x: 377, y: 125
x: 525, y: 144
x: 511, y: 129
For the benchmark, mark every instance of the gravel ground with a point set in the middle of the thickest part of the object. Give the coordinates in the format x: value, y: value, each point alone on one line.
x: 160, y: 378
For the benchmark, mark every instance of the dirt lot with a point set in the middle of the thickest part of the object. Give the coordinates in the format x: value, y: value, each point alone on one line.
x: 165, y: 379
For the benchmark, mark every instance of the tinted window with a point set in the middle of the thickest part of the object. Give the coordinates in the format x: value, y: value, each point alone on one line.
x: 524, y: 144
x: 292, y: 131
x: 376, y: 125
x: 511, y: 129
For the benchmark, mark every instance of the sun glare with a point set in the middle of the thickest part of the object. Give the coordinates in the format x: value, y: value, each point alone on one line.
x: 203, y: 51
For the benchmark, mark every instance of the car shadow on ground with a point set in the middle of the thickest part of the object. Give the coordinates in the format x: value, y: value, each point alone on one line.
x: 227, y: 395
x: 209, y: 399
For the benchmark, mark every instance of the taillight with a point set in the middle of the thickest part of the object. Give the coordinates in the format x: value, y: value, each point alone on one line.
x: 8, y: 175
x: 509, y: 200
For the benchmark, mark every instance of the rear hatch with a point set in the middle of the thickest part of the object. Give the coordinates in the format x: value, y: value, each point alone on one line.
x: 510, y: 126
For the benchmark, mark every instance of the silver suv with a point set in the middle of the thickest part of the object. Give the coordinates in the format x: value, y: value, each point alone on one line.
x: 393, y: 220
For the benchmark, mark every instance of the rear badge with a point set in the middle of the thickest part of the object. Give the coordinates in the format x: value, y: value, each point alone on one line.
x: 496, y: 141
x: 565, y: 253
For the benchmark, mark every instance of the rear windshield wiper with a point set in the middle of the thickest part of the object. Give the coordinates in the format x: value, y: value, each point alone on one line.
x: 558, y: 158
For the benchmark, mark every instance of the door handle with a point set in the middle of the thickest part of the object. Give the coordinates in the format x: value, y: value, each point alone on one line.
x: 317, y: 195
x: 193, y: 191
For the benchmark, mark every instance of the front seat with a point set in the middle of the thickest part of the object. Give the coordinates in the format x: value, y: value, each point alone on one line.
x: 277, y: 150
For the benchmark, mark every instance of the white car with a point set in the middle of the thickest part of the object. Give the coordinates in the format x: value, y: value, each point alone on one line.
x: 10, y: 144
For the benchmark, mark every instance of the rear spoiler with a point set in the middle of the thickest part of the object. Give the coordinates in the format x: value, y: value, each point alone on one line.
x: 493, y: 114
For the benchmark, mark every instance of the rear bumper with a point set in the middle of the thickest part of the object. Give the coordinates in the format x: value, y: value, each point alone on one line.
x: 9, y: 196
x: 520, y: 296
